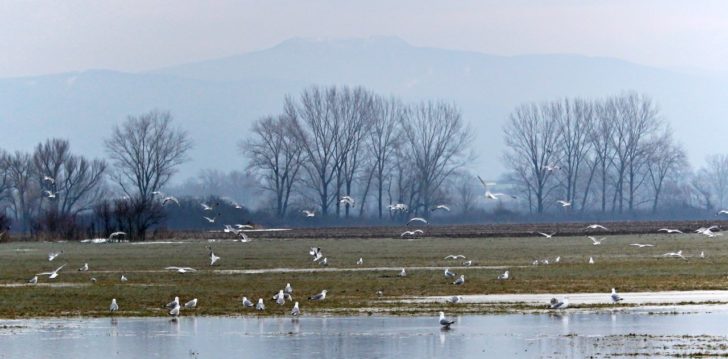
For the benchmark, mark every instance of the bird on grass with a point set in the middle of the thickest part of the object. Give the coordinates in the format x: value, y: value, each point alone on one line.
x: 260, y: 305
x: 444, y: 322
x: 114, y: 306
x: 175, y: 311
x: 454, y: 299
x: 320, y: 296
x: 360, y: 261
x: 449, y: 274
x: 280, y: 298
x: 83, y: 268
x: 677, y: 254
x: 124, y: 278
x: 181, y: 270
x: 33, y: 280
x: 468, y: 263
x: 191, y: 304
x: 296, y: 311
x: 172, y: 304
x: 504, y: 276
x: 402, y: 273
x: 591, y: 260
x: 288, y: 289
x: 247, y: 303
x: 460, y: 281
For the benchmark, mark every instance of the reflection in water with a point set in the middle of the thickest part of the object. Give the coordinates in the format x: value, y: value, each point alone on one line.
x: 564, y: 334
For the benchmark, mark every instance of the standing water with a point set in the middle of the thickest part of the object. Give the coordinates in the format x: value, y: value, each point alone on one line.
x: 577, y: 334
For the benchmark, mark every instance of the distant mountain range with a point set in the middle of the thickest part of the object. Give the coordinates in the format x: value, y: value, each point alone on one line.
x: 217, y: 100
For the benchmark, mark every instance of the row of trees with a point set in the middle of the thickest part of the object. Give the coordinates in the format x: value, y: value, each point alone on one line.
x: 608, y: 155
x: 331, y: 142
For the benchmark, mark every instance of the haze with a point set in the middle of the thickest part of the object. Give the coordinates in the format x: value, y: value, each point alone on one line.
x: 41, y: 37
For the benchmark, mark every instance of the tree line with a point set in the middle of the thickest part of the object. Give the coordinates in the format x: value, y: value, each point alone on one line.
x: 610, y: 155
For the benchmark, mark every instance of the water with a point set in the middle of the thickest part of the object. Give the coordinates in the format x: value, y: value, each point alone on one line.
x: 473, y: 336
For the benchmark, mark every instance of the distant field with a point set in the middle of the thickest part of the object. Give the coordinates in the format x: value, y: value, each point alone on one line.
x: 220, y: 288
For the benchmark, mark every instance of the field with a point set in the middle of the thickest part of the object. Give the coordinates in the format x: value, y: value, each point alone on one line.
x: 260, y: 268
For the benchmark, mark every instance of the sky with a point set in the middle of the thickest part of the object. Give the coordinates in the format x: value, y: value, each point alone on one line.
x: 41, y: 37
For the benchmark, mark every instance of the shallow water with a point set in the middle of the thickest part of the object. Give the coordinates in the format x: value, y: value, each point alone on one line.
x: 572, y: 334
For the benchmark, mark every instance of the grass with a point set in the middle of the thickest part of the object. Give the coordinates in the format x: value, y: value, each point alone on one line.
x: 150, y: 287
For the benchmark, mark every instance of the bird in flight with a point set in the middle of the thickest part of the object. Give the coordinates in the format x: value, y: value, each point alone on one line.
x: 347, y: 200
x: 668, y: 230
x: 564, y: 203
x: 309, y: 213
x: 640, y: 245
x: 54, y: 255
x: 596, y: 226
x: 546, y: 234
x: 596, y: 241
x: 181, y: 270
x: 455, y: 256
x: 677, y: 254
x: 417, y: 219
x: 53, y: 274
x: 442, y: 207
x: 169, y: 199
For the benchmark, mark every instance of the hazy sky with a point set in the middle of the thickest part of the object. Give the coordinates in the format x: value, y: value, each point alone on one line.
x: 40, y: 37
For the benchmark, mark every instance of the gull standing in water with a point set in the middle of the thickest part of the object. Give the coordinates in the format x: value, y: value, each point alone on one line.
x: 296, y: 311
x: 172, y: 304
x: 460, y: 280
x: 260, y: 305
x: 113, y: 307
x: 446, y: 323
x: 175, y: 311
x: 615, y: 297
x: 320, y: 296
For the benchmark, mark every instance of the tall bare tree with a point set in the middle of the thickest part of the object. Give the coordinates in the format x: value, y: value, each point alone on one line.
x: 25, y: 192
x: 435, y: 140
x: 531, y: 138
x: 575, y: 121
x: 383, y: 137
x: 75, y: 182
x: 146, y: 151
x: 665, y: 157
x: 276, y: 155
x: 716, y: 177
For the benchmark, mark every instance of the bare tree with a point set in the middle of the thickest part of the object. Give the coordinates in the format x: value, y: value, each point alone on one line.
x: 665, y: 157
x: 601, y: 139
x: 575, y: 121
x: 146, y: 151
x: 276, y: 155
x: 531, y: 140
x: 74, y: 181
x: 436, y: 140
x: 25, y: 192
x: 383, y: 137
x: 716, y: 177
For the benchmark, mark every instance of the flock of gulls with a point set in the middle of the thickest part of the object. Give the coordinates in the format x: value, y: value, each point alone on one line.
x: 175, y: 307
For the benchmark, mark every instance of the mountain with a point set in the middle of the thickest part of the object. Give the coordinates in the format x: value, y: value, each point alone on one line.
x: 216, y: 100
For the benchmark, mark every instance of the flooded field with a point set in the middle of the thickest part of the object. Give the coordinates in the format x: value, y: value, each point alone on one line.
x: 576, y: 334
